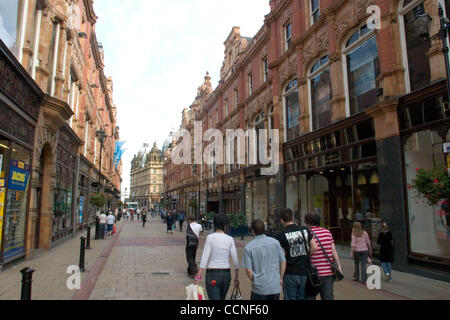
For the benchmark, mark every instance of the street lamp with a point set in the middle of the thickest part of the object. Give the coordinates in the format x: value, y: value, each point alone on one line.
x: 422, y: 21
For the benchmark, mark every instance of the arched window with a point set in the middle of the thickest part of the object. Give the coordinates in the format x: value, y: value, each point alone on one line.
x: 416, y: 61
x: 292, y: 110
x: 320, y: 93
x: 362, y: 70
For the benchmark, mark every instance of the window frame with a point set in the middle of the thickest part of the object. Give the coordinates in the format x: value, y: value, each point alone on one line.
x: 346, y: 50
x: 287, y: 40
x: 265, y: 69
x: 311, y: 76
x: 250, y: 83
x: 313, y: 12
x: 285, y: 94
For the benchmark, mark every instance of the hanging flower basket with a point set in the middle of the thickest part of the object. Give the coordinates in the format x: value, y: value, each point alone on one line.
x: 432, y: 185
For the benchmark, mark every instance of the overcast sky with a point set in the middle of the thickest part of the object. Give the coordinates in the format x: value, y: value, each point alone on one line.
x: 158, y: 52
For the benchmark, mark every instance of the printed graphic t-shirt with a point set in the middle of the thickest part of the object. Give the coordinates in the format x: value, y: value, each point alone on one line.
x: 293, y: 244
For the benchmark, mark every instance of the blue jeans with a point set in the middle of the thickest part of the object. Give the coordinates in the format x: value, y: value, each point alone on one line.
x: 294, y: 287
x: 219, y: 290
x: 386, y: 267
x: 360, y: 258
x: 326, y: 289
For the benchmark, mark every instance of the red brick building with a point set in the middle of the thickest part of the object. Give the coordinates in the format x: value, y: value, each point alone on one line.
x: 358, y: 110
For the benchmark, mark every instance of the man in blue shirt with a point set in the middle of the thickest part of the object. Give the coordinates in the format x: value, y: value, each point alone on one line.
x: 265, y: 263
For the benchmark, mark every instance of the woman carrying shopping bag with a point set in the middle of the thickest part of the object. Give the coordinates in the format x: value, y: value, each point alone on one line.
x: 215, y: 260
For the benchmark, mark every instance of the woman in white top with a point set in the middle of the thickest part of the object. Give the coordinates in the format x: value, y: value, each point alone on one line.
x: 215, y: 260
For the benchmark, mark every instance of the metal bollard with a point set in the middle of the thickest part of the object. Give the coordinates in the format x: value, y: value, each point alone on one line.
x: 27, y: 279
x: 97, y: 228
x: 82, y: 252
x: 88, y: 241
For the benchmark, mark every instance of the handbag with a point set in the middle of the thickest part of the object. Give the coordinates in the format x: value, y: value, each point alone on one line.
x: 337, y: 275
x: 236, y: 294
x: 313, y: 282
x: 191, y: 238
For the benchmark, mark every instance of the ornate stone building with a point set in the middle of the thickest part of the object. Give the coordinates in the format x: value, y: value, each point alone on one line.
x: 54, y: 42
x: 146, y: 185
x: 358, y: 109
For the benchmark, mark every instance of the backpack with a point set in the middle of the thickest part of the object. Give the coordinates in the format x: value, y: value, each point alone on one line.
x: 191, y: 238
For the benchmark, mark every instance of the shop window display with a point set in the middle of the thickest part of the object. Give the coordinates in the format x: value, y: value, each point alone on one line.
x: 16, y: 201
x: 429, y: 228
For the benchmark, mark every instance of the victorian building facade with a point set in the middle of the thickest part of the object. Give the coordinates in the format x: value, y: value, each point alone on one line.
x: 54, y: 44
x: 146, y: 185
x: 357, y: 108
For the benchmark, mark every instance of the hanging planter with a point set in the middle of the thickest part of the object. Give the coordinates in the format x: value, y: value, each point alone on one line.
x: 432, y: 185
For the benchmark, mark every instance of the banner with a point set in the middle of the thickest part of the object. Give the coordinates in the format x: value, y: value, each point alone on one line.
x: 80, y: 213
x: 118, y: 152
x: 19, y: 174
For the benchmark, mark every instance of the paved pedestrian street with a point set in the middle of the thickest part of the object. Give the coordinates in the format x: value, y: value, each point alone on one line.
x: 149, y: 264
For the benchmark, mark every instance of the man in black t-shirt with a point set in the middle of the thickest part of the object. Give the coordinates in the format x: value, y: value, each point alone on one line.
x: 298, y: 243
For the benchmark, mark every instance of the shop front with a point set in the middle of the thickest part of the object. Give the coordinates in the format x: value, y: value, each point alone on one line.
x: 333, y: 172
x: 64, y: 207
x: 20, y: 100
x: 425, y: 127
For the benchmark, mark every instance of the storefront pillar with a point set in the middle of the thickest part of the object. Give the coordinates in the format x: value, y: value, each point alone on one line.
x: 390, y: 170
x: 221, y: 201
x: 392, y: 191
x: 243, y: 202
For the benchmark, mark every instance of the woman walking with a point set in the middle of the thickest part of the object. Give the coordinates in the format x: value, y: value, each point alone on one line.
x: 144, y: 217
x: 361, y: 251
x: 323, y: 257
x: 215, y: 260
x: 386, y: 250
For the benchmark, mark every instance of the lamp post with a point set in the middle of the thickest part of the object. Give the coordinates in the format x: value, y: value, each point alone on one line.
x: 423, y: 23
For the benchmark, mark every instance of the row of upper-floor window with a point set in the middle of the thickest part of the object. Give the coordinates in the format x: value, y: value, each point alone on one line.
x: 361, y: 71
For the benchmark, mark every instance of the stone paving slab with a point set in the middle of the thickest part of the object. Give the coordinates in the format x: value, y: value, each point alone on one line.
x: 49, y: 279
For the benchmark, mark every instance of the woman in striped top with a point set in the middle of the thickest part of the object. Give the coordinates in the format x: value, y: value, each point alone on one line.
x: 319, y: 258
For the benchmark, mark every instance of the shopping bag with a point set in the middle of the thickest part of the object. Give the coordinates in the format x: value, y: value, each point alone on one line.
x: 114, y: 230
x: 236, y: 294
x: 195, y: 292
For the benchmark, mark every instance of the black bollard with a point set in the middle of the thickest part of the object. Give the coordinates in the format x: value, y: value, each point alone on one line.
x: 27, y: 279
x: 97, y: 228
x: 82, y: 252
x: 88, y: 240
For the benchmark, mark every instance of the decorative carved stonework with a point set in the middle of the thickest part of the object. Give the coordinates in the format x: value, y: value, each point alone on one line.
x: 56, y: 113
x: 15, y: 125
x: 13, y: 86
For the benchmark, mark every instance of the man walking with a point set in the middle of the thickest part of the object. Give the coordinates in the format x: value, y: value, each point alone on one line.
x: 144, y: 218
x: 298, y: 243
x: 181, y: 217
x: 138, y: 214
x: 102, y: 220
x: 265, y: 264
x: 111, y: 219
x: 192, y: 234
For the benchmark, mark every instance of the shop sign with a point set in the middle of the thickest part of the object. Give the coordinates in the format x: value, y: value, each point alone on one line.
x: 19, y: 174
x: 446, y: 147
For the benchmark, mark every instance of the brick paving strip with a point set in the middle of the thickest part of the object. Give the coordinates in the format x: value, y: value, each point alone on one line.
x: 89, y: 282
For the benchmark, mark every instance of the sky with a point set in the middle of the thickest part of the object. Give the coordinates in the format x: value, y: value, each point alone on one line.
x: 158, y: 53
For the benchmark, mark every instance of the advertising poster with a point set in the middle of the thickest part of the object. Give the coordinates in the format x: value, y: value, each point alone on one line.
x: 80, y: 210
x: 442, y: 222
x: 19, y: 174
x: 2, y: 206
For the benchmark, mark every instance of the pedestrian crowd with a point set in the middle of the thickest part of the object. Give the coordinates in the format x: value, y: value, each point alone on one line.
x: 301, y: 262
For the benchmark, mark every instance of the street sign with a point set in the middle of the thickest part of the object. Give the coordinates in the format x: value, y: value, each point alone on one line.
x: 446, y: 147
